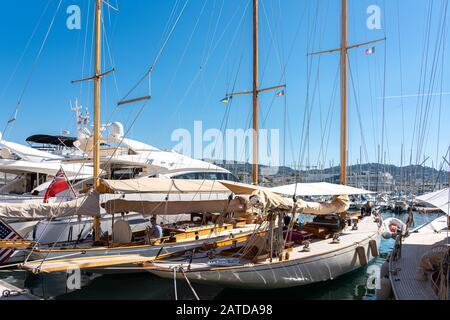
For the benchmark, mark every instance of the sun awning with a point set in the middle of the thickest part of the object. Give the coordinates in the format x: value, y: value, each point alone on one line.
x: 52, y: 140
x: 241, y: 188
x: 174, y: 207
x: 439, y: 199
x: 166, y: 186
x: 318, y: 189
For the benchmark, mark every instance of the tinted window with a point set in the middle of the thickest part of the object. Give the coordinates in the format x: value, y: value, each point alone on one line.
x: 207, y: 176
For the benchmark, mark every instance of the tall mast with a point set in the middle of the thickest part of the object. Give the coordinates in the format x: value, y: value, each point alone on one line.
x: 343, y: 49
x: 343, y: 174
x: 255, y: 91
x: 97, y: 80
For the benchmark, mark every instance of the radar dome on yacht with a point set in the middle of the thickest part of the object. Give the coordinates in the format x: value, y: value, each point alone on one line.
x: 83, y: 133
x: 116, y: 130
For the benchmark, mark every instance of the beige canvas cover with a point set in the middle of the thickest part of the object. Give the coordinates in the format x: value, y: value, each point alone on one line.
x: 270, y: 201
x: 273, y: 201
x: 338, y: 204
x: 83, y: 206
x: 240, y: 188
x: 157, y: 185
x: 174, y: 207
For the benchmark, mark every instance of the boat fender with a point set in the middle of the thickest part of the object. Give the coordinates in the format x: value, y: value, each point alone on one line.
x: 385, y: 291
x: 361, y: 252
x: 373, y: 248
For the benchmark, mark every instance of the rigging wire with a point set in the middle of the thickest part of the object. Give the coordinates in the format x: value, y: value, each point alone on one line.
x: 158, y: 55
x: 19, y: 62
x: 438, y: 48
x: 33, y: 68
x: 358, y: 111
x: 186, y: 48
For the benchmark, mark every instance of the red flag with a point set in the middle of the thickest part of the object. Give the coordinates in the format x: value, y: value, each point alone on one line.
x: 58, y: 185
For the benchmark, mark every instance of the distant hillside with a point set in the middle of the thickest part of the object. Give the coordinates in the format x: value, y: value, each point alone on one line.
x: 366, y: 175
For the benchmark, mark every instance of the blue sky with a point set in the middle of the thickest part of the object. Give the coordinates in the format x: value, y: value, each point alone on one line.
x: 210, y: 50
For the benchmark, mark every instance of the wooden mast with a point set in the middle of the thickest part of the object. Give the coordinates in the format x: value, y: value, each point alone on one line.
x: 255, y: 92
x: 343, y: 49
x: 97, y: 80
x: 343, y: 173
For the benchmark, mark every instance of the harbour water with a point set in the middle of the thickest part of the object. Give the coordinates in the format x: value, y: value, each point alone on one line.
x: 144, y: 286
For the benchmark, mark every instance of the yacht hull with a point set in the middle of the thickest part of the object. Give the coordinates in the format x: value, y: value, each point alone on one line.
x: 277, y: 275
x: 143, y: 251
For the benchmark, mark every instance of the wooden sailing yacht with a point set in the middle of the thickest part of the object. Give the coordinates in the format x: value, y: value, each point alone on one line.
x: 186, y: 196
x: 297, y: 255
x: 268, y: 258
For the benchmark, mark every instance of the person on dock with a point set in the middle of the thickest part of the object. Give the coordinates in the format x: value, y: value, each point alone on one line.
x: 366, y: 209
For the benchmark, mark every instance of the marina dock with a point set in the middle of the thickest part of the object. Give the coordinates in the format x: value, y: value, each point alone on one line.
x: 403, y: 272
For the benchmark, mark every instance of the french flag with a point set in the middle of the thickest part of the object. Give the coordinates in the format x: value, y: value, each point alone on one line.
x: 370, y: 51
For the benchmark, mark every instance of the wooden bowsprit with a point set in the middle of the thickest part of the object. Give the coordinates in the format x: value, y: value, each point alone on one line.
x: 16, y: 244
x: 85, y: 263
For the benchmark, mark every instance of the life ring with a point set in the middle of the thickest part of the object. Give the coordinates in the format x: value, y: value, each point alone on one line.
x: 395, y: 225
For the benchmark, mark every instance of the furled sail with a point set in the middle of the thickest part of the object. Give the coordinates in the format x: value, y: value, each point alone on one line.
x: 271, y: 201
x: 83, y: 206
x: 338, y: 204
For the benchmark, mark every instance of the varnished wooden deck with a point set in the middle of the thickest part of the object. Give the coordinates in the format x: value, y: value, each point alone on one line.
x: 403, y: 273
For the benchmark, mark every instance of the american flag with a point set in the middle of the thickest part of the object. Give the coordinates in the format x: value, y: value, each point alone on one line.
x: 6, y: 233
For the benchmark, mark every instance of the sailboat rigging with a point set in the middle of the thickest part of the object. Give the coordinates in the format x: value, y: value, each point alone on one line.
x: 271, y: 258
x: 255, y: 94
